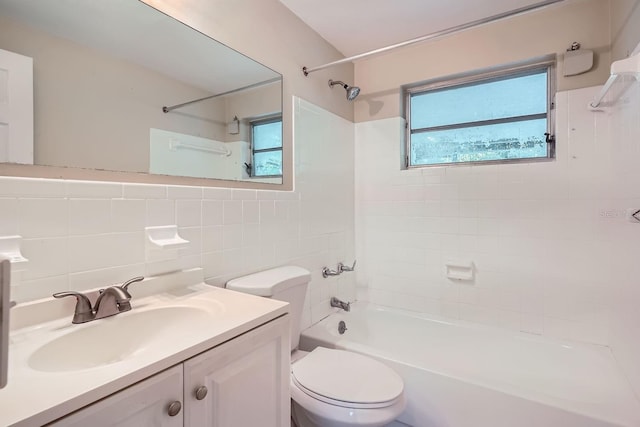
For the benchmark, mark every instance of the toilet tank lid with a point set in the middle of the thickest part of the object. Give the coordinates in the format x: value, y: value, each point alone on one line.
x: 267, y: 283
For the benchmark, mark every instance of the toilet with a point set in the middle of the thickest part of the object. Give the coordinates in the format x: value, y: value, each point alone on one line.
x: 329, y: 387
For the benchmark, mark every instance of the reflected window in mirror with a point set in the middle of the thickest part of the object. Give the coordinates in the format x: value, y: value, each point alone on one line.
x: 266, y: 147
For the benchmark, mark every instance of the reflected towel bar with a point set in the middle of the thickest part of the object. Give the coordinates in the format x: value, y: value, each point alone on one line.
x: 174, y: 145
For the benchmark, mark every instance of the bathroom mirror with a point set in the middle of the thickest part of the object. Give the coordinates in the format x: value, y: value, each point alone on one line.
x: 104, y: 70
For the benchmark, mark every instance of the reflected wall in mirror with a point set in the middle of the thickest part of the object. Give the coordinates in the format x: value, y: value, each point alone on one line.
x: 104, y: 70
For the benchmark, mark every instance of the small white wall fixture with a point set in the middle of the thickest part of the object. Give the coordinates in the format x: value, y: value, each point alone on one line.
x: 164, y: 242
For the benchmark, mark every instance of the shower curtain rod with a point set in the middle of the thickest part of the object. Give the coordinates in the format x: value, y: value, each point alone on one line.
x: 306, y: 71
x: 184, y: 104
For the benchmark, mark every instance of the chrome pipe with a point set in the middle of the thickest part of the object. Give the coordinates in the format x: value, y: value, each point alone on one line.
x: 306, y: 71
x: 184, y: 104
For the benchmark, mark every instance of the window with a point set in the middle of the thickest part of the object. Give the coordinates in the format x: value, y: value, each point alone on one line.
x: 266, y: 147
x: 494, y: 117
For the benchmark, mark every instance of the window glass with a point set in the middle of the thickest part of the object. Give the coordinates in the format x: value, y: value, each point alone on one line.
x: 509, y: 97
x: 267, y: 163
x: 503, y: 141
x: 266, y: 147
x: 496, y: 118
x: 267, y: 135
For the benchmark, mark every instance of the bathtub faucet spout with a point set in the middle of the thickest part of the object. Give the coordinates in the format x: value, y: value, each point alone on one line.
x: 335, y: 302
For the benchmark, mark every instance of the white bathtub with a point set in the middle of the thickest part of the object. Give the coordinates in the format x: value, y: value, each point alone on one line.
x: 462, y: 375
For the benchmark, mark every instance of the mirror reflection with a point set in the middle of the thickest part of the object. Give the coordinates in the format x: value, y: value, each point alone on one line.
x: 119, y: 86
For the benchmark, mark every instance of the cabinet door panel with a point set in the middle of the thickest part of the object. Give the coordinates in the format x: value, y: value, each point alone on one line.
x: 144, y: 404
x: 247, y: 380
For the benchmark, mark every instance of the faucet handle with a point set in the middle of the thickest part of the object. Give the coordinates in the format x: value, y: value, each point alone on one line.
x: 343, y: 268
x: 84, y: 311
x: 129, y: 282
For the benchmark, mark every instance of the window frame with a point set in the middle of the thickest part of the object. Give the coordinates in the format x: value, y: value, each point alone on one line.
x: 547, y: 63
x: 258, y: 122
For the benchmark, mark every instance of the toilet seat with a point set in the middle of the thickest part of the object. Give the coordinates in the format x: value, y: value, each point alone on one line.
x: 347, y: 379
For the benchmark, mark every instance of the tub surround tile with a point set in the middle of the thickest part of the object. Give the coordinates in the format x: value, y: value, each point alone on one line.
x: 128, y: 215
x: 533, y: 230
x: 210, y: 193
x: 250, y: 212
x: 189, y: 213
x: 161, y: 212
x: 29, y: 290
x: 47, y: 257
x: 94, y: 190
x: 244, y: 194
x: 232, y: 212
x: 212, y: 238
x: 89, y: 216
x: 104, y: 277
x: 144, y: 191
x: 32, y: 187
x: 212, y: 212
x: 41, y: 218
x: 182, y: 192
x: 9, y: 216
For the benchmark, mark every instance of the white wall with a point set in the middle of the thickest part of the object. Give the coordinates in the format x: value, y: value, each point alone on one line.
x: 625, y: 31
x: 548, y: 31
x: 80, y: 235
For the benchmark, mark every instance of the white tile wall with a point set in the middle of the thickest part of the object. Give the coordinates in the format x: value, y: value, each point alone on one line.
x: 625, y: 283
x: 80, y: 235
x: 546, y: 238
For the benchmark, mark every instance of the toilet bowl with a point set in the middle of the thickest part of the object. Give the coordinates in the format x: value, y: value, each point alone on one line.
x: 329, y: 387
x: 337, y: 388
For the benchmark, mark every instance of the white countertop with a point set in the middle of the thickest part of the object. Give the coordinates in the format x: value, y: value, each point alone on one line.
x: 34, y: 398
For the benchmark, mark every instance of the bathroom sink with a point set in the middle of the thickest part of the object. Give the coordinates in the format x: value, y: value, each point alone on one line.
x: 118, y: 338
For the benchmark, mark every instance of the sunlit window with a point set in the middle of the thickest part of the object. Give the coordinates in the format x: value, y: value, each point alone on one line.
x: 493, y: 117
x: 266, y: 147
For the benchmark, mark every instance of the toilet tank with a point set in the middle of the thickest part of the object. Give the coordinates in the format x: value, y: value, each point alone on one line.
x: 288, y: 283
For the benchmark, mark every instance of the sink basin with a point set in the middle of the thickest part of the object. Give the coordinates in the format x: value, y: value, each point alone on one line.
x: 115, y: 339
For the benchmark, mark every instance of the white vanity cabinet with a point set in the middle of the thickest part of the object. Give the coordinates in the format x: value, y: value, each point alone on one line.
x: 242, y: 382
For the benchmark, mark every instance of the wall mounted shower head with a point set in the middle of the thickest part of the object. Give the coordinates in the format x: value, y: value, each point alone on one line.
x: 352, y: 91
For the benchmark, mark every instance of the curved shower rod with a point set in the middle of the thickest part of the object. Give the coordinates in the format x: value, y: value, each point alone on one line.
x: 306, y: 70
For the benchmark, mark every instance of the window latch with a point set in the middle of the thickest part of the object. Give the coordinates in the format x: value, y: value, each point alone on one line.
x: 550, y: 139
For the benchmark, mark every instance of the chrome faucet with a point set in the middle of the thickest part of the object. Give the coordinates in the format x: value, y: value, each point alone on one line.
x: 335, y: 302
x: 116, y: 298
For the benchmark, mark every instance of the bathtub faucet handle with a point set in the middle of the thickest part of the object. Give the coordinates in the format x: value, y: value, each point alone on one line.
x: 342, y: 268
x: 326, y: 272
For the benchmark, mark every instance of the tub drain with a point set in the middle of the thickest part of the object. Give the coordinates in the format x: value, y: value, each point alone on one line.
x: 342, y: 327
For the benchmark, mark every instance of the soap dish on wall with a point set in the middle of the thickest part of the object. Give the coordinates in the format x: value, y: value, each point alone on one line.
x: 164, y: 242
x: 460, y: 270
x: 10, y: 249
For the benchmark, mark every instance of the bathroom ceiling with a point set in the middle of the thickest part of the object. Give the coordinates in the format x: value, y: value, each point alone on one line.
x: 356, y: 26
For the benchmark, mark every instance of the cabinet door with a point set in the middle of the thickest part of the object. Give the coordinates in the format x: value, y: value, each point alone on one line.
x: 145, y: 404
x: 246, y: 380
